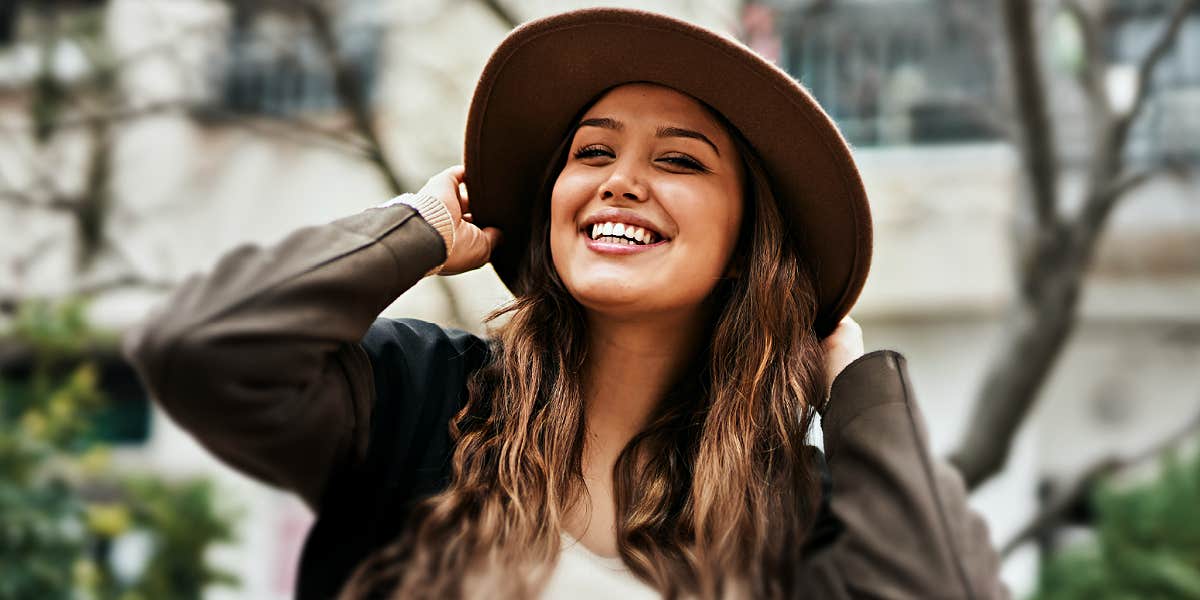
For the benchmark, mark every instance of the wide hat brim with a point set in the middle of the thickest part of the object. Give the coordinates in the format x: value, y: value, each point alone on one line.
x: 545, y: 71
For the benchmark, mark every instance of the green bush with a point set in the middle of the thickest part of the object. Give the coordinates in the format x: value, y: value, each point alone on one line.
x: 1146, y: 545
x: 70, y: 525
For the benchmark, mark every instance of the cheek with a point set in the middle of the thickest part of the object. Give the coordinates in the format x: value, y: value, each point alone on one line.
x: 714, y: 217
x: 565, y: 203
x: 730, y: 220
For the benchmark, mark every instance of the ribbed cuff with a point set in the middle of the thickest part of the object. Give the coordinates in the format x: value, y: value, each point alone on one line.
x: 434, y: 212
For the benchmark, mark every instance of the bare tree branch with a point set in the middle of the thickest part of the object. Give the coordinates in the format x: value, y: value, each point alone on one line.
x: 21, y: 265
x: 1081, y: 486
x: 1109, y: 162
x: 1054, y: 261
x: 502, y: 13
x: 1091, y: 74
x: 1036, y: 140
x: 289, y: 128
x: 1121, y: 186
x: 125, y: 113
x: 29, y: 200
x: 1149, y: 62
x: 350, y: 92
x: 121, y: 282
x: 1037, y: 330
x: 296, y: 129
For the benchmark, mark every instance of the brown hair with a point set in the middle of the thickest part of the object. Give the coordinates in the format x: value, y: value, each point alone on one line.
x: 718, y: 493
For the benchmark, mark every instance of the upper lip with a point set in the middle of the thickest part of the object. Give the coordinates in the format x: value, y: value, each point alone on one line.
x: 618, y: 215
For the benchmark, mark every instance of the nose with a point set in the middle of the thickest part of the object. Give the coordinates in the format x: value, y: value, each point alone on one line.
x: 625, y: 184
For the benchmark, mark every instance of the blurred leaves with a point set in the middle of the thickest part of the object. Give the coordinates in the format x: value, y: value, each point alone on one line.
x: 53, y: 328
x: 1146, y: 546
x: 70, y: 524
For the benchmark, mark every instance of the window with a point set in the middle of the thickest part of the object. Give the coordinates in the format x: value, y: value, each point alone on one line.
x: 275, y: 66
x: 891, y: 73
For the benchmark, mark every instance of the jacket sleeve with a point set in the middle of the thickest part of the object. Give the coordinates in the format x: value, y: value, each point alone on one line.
x: 260, y: 358
x: 907, y: 530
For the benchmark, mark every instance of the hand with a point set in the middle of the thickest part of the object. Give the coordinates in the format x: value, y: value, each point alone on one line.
x: 841, y: 348
x: 472, y: 245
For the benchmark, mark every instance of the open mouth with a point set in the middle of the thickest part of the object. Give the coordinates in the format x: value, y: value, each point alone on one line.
x: 612, y: 232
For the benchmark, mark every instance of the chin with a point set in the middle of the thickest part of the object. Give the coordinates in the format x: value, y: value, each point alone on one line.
x: 606, y: 296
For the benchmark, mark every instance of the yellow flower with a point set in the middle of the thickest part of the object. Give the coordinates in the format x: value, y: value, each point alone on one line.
x: 60, y: 406
x: 85, y: 573
x: 95, y: 461
x: 84, y: 377
x: 34, y: 423
x: 108, y: 519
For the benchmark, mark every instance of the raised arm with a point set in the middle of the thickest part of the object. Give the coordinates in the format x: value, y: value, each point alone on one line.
x: 260, y: 357
x: 908, y: 531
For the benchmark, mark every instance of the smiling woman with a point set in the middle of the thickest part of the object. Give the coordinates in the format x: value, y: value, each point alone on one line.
x: 684, y: 239
x: 648, y: 157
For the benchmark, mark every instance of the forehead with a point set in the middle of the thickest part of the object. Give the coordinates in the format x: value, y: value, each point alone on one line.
x: 656, y: 104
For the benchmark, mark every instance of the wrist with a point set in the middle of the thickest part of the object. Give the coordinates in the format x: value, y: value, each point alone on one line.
x: 434, y: 212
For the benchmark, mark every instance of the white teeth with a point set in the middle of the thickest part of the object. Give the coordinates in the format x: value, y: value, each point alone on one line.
x: 624, y: 234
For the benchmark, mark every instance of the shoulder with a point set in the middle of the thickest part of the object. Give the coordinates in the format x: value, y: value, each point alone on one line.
x: 416, y: 361
x: 414, y: 339
x: 420, y: 372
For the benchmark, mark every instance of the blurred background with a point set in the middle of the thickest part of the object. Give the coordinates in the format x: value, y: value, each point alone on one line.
x: 1033, y: 168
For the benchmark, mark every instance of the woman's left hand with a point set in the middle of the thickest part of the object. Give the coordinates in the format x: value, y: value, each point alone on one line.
x: 841, y: 347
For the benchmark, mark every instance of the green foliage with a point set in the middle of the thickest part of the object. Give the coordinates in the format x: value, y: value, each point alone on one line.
x: 181, y: 516
x: 1147, y: 542
x: 67, y: 519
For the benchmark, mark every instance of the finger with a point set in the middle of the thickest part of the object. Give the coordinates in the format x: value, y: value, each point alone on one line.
x: 481, y: 244
x: 468, y: 217
x: 463, y: 200
x: 494, y: 237
x: 474, y: 246
x: 448, y: 180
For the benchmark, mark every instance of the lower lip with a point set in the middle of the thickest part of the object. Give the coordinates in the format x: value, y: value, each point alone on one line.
x: 611, y: 248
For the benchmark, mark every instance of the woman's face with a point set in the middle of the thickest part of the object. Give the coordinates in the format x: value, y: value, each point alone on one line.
x: 656, y: 164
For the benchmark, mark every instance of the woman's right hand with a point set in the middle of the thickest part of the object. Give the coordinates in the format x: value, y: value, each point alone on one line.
x: 472, y: 245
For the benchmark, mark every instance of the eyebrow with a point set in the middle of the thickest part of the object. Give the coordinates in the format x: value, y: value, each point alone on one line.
x: 662, y: 131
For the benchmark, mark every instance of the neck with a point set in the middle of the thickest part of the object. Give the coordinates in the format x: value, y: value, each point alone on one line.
x: 632, y: 362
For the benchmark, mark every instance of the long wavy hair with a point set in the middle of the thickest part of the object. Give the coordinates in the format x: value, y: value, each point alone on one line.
x: 714, y: 498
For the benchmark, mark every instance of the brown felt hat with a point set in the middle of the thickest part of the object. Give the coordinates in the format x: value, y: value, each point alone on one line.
x: 544, y: 73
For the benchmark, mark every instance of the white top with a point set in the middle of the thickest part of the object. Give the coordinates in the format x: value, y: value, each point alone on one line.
x: 584, y: 575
